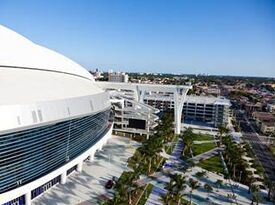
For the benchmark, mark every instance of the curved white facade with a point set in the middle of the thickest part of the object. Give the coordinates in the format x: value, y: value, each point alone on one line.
x: 18, y: 51
x: 52, y: 116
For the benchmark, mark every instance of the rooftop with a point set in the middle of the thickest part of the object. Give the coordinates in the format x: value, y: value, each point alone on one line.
x: 207, y: 100
x: 263, y: 116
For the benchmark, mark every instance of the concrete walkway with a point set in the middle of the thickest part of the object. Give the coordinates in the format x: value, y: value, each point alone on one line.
x: 200, y: 196
x: 219, y: 195
x: 87, y: 187
x: 161, y: 179
x: 205, y: 141
x: 206, y: 155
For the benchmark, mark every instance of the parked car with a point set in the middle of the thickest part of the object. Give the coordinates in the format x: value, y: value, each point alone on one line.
x: 109, y: 184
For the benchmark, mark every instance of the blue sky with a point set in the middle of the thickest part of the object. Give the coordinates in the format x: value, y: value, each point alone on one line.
x: 229, y: 37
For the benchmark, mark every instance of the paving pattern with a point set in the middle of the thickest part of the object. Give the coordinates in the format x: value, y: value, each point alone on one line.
x: 199, y: 196
x: 155, y: 196
x: 87, y: 187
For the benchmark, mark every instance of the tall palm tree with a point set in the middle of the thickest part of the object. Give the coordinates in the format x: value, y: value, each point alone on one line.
x: 117, y: 199
x: 219, y: 183
x: 256, y: 198
x: 252, y: 180
x: 200, y: 174
x: 166, y: 198
x: 222, y: 131
x: 255, y: 194
x: 179, y: 181
x: 270, y: 188
x: 170, y: 186
x: 188, y: 144
x: 194, y: 184
x: 208, y: 188
x: 178, y: 197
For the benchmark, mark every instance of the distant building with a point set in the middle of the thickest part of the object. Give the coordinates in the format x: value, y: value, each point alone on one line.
x: 265, y: 121
x: 267, y: 126
x: 213, y: 90
x: 271, y: 108
x: 118, y: 77
x: 252, y: 107
x: 213, y: 111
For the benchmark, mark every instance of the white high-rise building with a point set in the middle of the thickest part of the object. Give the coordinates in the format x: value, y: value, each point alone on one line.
x: 118, y: 77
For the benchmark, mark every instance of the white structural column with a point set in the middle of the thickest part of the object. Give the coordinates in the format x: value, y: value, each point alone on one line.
x: 79, y: 166
x: 92, y: 156
x: 179, y: 97
x: 28, y: 198
x: 63, y: 177
x: 140, y: 90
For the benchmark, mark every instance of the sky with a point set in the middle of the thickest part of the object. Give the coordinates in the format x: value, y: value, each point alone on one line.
x: 216, y: 37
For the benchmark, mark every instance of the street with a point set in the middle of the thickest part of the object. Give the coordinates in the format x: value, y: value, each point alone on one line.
x: 259, y: 147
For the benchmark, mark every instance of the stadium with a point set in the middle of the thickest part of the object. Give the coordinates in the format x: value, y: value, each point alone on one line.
x: 52, y: 118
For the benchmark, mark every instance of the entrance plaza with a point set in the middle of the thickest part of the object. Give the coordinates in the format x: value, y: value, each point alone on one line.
x: 88, y: 187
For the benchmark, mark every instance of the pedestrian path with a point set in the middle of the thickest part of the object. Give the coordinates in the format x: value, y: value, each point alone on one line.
x: 207, y: 155
x: 158, y: 191
x: 219, y: 195
x: 205, y: 141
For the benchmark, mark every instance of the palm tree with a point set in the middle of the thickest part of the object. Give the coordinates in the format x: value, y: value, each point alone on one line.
x: 178, y: 197
x: 179, y: 181
x: 270, y: 187
x: 170, y: 186
x: 117, y: 199
x: 208, y: 188
x: 188, y: 146
x: 166, y: 199
x: 255, y: 194
x: 219, y: 183
x: 256, y: 198
x: 222, y: 131
x: 252, y: 180
x: 194, y: 184
x: 200, y: 174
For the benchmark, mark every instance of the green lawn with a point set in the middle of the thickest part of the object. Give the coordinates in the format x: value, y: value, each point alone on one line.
x: 202, y: 137
x: 212, y: 164
x: 201, y: 148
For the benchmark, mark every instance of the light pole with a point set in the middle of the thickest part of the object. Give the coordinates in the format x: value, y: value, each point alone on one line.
x: 240, y: 176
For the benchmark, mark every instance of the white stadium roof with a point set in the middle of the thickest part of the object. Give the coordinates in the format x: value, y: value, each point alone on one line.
x: 30, y: 73
x: 18, y: 51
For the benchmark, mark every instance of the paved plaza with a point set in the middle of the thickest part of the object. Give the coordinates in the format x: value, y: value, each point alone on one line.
x: 199, y: 196
x: 87, y: 187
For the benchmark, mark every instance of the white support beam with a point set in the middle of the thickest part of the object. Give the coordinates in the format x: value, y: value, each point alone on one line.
x: 79, y: 166
x: 28, y: 198
x: 63, y: 177
x: 179, y: 98
x: 179, y: 94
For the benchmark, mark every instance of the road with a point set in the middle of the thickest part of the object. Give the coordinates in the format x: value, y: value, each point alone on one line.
x: 259, y: 147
